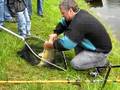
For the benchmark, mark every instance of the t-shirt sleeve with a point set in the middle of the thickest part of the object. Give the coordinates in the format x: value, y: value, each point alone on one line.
x: 64, y: 44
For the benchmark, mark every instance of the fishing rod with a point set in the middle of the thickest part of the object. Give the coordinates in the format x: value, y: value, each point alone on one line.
x: 109, y: 67
x: 56, y: 81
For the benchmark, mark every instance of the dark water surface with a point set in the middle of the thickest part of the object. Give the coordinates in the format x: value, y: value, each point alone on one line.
x: 109, y: 10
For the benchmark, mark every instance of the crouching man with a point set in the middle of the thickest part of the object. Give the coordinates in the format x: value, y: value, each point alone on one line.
x: 84, y: 33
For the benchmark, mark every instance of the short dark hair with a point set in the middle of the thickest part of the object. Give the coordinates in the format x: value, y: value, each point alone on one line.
x: 67, y: 4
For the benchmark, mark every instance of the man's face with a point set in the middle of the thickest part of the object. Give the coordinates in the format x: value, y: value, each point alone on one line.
x: 65, y: 13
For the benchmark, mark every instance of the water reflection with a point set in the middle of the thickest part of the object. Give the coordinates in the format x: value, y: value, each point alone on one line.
x: 112, y: 3
x: 110, y: 12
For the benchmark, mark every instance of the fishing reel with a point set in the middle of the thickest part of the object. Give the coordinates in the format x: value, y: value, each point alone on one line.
x: 94, y: 73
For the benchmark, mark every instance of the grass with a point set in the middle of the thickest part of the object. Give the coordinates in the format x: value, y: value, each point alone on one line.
x: 12, y: 67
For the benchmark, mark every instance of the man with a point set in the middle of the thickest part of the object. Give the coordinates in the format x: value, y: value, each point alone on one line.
x: 18, y: 8
x: 84, y: 33
x: 4, y: 14
x: 29, y: 6
x: 7, y: 15
x: 1, y: 12
x: 40, y: 7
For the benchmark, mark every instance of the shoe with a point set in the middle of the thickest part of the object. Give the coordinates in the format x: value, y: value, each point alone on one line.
x: 41, y: 15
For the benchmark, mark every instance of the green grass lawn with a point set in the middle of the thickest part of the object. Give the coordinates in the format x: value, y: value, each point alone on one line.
x: 12, y: 67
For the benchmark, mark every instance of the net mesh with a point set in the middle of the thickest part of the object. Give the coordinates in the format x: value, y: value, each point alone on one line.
x: 36, y: 44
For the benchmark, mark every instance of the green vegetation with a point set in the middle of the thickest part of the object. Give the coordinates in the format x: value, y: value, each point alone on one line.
x: 12, y: 67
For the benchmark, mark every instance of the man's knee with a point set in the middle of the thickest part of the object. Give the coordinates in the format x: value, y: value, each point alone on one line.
x: 77, y: 66
x: 83, y: 66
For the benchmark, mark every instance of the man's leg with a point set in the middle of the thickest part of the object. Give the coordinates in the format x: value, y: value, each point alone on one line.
x: 40, y: 7
x: 7, y: 15
x: 29, y: 6
x: 86, y: 59
x: 21, y: 24
x: 1, y: 12
x: 28, y: 22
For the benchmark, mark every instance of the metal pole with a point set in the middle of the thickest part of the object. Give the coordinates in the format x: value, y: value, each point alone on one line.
x: 9, y: 31
x: 64, y: 58
x: 106, y: 77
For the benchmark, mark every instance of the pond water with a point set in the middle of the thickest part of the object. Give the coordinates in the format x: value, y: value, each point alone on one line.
x: 109, y: 10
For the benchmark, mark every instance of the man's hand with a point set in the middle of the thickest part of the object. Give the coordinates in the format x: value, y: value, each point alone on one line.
x: 48, y: 45
x: 53, y: 37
